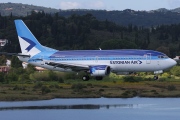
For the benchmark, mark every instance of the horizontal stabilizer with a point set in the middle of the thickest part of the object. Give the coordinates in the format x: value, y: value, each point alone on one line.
x: 14, y: 54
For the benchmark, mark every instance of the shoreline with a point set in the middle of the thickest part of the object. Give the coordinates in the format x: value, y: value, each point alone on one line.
x: 47, y: 91
x: 24, y: 100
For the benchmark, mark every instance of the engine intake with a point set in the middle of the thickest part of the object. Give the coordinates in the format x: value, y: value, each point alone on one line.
x: 100, y: 70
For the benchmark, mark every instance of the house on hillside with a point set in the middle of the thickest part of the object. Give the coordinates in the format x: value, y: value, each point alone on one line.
x: 177, y: 58
x: 24, y: 64
x: 39, y: 69
x: 4, y: 69
x: 8, y: 63
x: 3, y: 42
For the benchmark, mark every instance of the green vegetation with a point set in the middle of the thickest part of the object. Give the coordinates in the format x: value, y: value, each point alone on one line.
x: 28, y: 84
x: 86, y: 32
x: 2, y: 60
x: 80, y: 89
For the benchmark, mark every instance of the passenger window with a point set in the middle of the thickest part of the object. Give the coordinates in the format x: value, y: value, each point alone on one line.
x: 161, y: 57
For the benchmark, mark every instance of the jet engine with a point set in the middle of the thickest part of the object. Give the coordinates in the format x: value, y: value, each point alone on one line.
x: 100, y: 70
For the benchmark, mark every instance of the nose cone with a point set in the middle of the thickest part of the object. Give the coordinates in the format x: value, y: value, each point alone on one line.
x: 167, y: 64
x: 172, y: 63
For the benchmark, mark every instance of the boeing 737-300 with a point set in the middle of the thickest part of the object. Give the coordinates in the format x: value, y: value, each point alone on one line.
x: 97, y: 63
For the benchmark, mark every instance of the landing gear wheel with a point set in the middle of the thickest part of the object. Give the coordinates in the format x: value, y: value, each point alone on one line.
x: 85, y: 78
x: 156, y: 77
x: 99, y: 78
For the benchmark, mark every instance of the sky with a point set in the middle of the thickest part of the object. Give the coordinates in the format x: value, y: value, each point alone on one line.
x: 101, y: 4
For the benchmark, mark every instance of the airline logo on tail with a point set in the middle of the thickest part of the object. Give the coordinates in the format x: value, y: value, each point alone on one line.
x: 28, y: 46
x: 32, y: 44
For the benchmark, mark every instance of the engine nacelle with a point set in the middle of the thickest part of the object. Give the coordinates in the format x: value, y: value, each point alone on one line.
x: 100, y: 70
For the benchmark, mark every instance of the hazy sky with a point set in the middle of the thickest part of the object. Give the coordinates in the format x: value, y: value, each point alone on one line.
x: 102, y: 4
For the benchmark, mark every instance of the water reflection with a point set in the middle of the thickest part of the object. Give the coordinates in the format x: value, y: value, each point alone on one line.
x: 88, y: 106
x: 92, y: 109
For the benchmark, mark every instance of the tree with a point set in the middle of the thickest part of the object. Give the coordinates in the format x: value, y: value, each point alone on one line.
x: 118, y: 44
x: 30, y: 69
x: 52, y: 76
x: 15, y: 62
x: 11, y: 77
x: 163, y: 50
x: 87, y: 32
x: 175, y: 70
x: 2, y: 60
x: 2, y: 77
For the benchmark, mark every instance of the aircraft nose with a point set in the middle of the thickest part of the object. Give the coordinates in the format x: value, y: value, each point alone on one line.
x: 172, y: 62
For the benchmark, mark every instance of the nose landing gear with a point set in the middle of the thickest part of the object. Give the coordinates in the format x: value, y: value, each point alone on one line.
x: 157, y: 72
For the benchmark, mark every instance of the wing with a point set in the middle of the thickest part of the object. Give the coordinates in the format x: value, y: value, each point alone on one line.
x: 74, y: 67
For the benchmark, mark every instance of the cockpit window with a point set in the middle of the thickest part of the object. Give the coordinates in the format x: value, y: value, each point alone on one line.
x: 161, y: 56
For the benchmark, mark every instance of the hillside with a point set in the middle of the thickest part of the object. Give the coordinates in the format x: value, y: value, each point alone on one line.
x: 125, y: 17
x: 18, y: 9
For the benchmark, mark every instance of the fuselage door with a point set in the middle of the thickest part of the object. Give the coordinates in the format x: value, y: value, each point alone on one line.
x: 148, y: 58
x: 96, y: 59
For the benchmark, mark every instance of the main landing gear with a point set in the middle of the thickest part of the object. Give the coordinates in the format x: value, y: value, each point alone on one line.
x: 85, y: 78
x: 156, y: 77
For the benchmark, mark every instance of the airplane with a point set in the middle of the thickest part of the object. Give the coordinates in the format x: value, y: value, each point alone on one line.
x: 96, y: 63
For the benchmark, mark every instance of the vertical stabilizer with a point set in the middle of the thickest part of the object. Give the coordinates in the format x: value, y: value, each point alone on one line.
x: 28, y: 43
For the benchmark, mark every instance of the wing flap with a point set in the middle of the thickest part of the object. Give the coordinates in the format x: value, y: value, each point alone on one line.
x: 74, y: 67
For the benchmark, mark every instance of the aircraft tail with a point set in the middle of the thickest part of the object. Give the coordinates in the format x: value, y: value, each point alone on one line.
x: 28, y: 43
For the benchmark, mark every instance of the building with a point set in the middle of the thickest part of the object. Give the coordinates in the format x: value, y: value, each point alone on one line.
x: 8, y: 63
x: 3, y: 42
x: 24, y: 64
x: 40, y: 69
x: 4, y: 69
x: 177, y: 58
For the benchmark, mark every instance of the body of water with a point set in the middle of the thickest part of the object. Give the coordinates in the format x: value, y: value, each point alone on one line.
x: 93, y: 109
